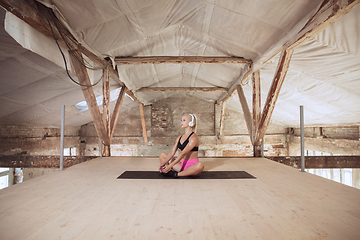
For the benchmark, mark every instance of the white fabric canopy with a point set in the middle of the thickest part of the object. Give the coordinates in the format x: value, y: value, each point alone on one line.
x: 323, y: 74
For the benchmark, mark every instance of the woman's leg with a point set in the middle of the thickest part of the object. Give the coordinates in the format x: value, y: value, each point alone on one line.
x: 162, y: 158
x: 193, y: 170
x: 163, y: 162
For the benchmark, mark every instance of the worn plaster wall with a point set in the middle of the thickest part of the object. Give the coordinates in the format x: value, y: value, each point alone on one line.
x: 30, y: 173
x: 35, y: 141
x: 163, y: 127
x: 326, y: 141
x: 26, y: 140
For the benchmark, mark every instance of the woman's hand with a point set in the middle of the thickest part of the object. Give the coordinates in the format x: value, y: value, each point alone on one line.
x: 166, y: 168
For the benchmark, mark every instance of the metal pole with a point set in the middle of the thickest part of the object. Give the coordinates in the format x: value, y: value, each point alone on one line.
x: 302, y: 138
x: 62, y: 137
x: 262, y: 148
x: 101, y: 148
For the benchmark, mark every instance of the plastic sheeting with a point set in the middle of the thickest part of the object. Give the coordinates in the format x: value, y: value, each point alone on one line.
x: 34, y: 88
x: 324, y: 77
x: 323, y: 74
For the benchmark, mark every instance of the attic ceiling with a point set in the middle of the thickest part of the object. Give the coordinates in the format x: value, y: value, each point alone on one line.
x: 324, y: 73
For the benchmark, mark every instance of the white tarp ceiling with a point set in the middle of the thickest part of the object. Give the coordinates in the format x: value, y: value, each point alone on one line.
x: 323, y: 74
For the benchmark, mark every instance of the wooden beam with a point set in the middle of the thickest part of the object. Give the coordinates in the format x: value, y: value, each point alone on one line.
x: 106, y: 108
x: 273, y: 94
x: 181, y: 89
x: 222, y: 118
x: 32, y: 12
x: 180, y: 60
x: 131, y: 94
x: 328, y: 14
x: 83, y: 77
x: 247, y: 113
x: 319, y: 161
x: 233, y: 88
x: 116, y: 112
x: 256, y: 102
x: 100, y: 62
x: 142, y: 116
x: 43, y: 161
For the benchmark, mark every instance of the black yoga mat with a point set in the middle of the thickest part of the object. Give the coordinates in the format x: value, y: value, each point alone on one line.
x: 204, y: 175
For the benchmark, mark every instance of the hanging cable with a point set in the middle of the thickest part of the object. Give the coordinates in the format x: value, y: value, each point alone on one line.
x: 64, y: 58
x: 55, y: 20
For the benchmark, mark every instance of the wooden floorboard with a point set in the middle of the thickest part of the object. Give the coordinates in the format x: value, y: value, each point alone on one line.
x: 86, y: 201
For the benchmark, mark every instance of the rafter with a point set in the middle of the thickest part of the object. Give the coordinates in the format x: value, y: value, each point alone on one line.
x: 33, y: 13
x: 232, y: 89
x: 329, y: 12
x: 180, y: 60
x: 246, y: 111
x: 181, y: 89
x: 83, y: 77
x: 279, y: 77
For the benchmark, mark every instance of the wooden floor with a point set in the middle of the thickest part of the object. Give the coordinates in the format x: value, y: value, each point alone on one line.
x: 86, y: 201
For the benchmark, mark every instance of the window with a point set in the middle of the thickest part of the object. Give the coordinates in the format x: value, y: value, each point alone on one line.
x: 4, y: 178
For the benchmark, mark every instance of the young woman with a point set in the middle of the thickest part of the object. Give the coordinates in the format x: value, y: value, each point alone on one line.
x: 189, y: 146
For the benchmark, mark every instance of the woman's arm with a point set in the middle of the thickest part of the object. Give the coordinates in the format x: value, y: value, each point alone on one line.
x: 193, y: 142
x: 172, y: 152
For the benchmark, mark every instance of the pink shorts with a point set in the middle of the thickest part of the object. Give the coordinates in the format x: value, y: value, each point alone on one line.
x: 187, y: 163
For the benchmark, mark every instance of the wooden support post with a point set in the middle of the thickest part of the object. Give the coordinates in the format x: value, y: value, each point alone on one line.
x: 142, y: 116
x: 106, y: 109
x: 273, y: 94
x: 256, y: 104
x: 245, y: 107
x: 222, y: 117
x: 83, y: 77
x: 116, y: 112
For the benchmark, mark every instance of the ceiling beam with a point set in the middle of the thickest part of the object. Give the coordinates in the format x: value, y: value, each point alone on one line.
x: 33, y: 13
x: 182, y: 89
x: 180, y: 60
x: 83, y: 77
x: 246, y: 111
x: 329, y: 12
x: 278, y: 80
x: 233, y: 88
x: 131, y: 95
